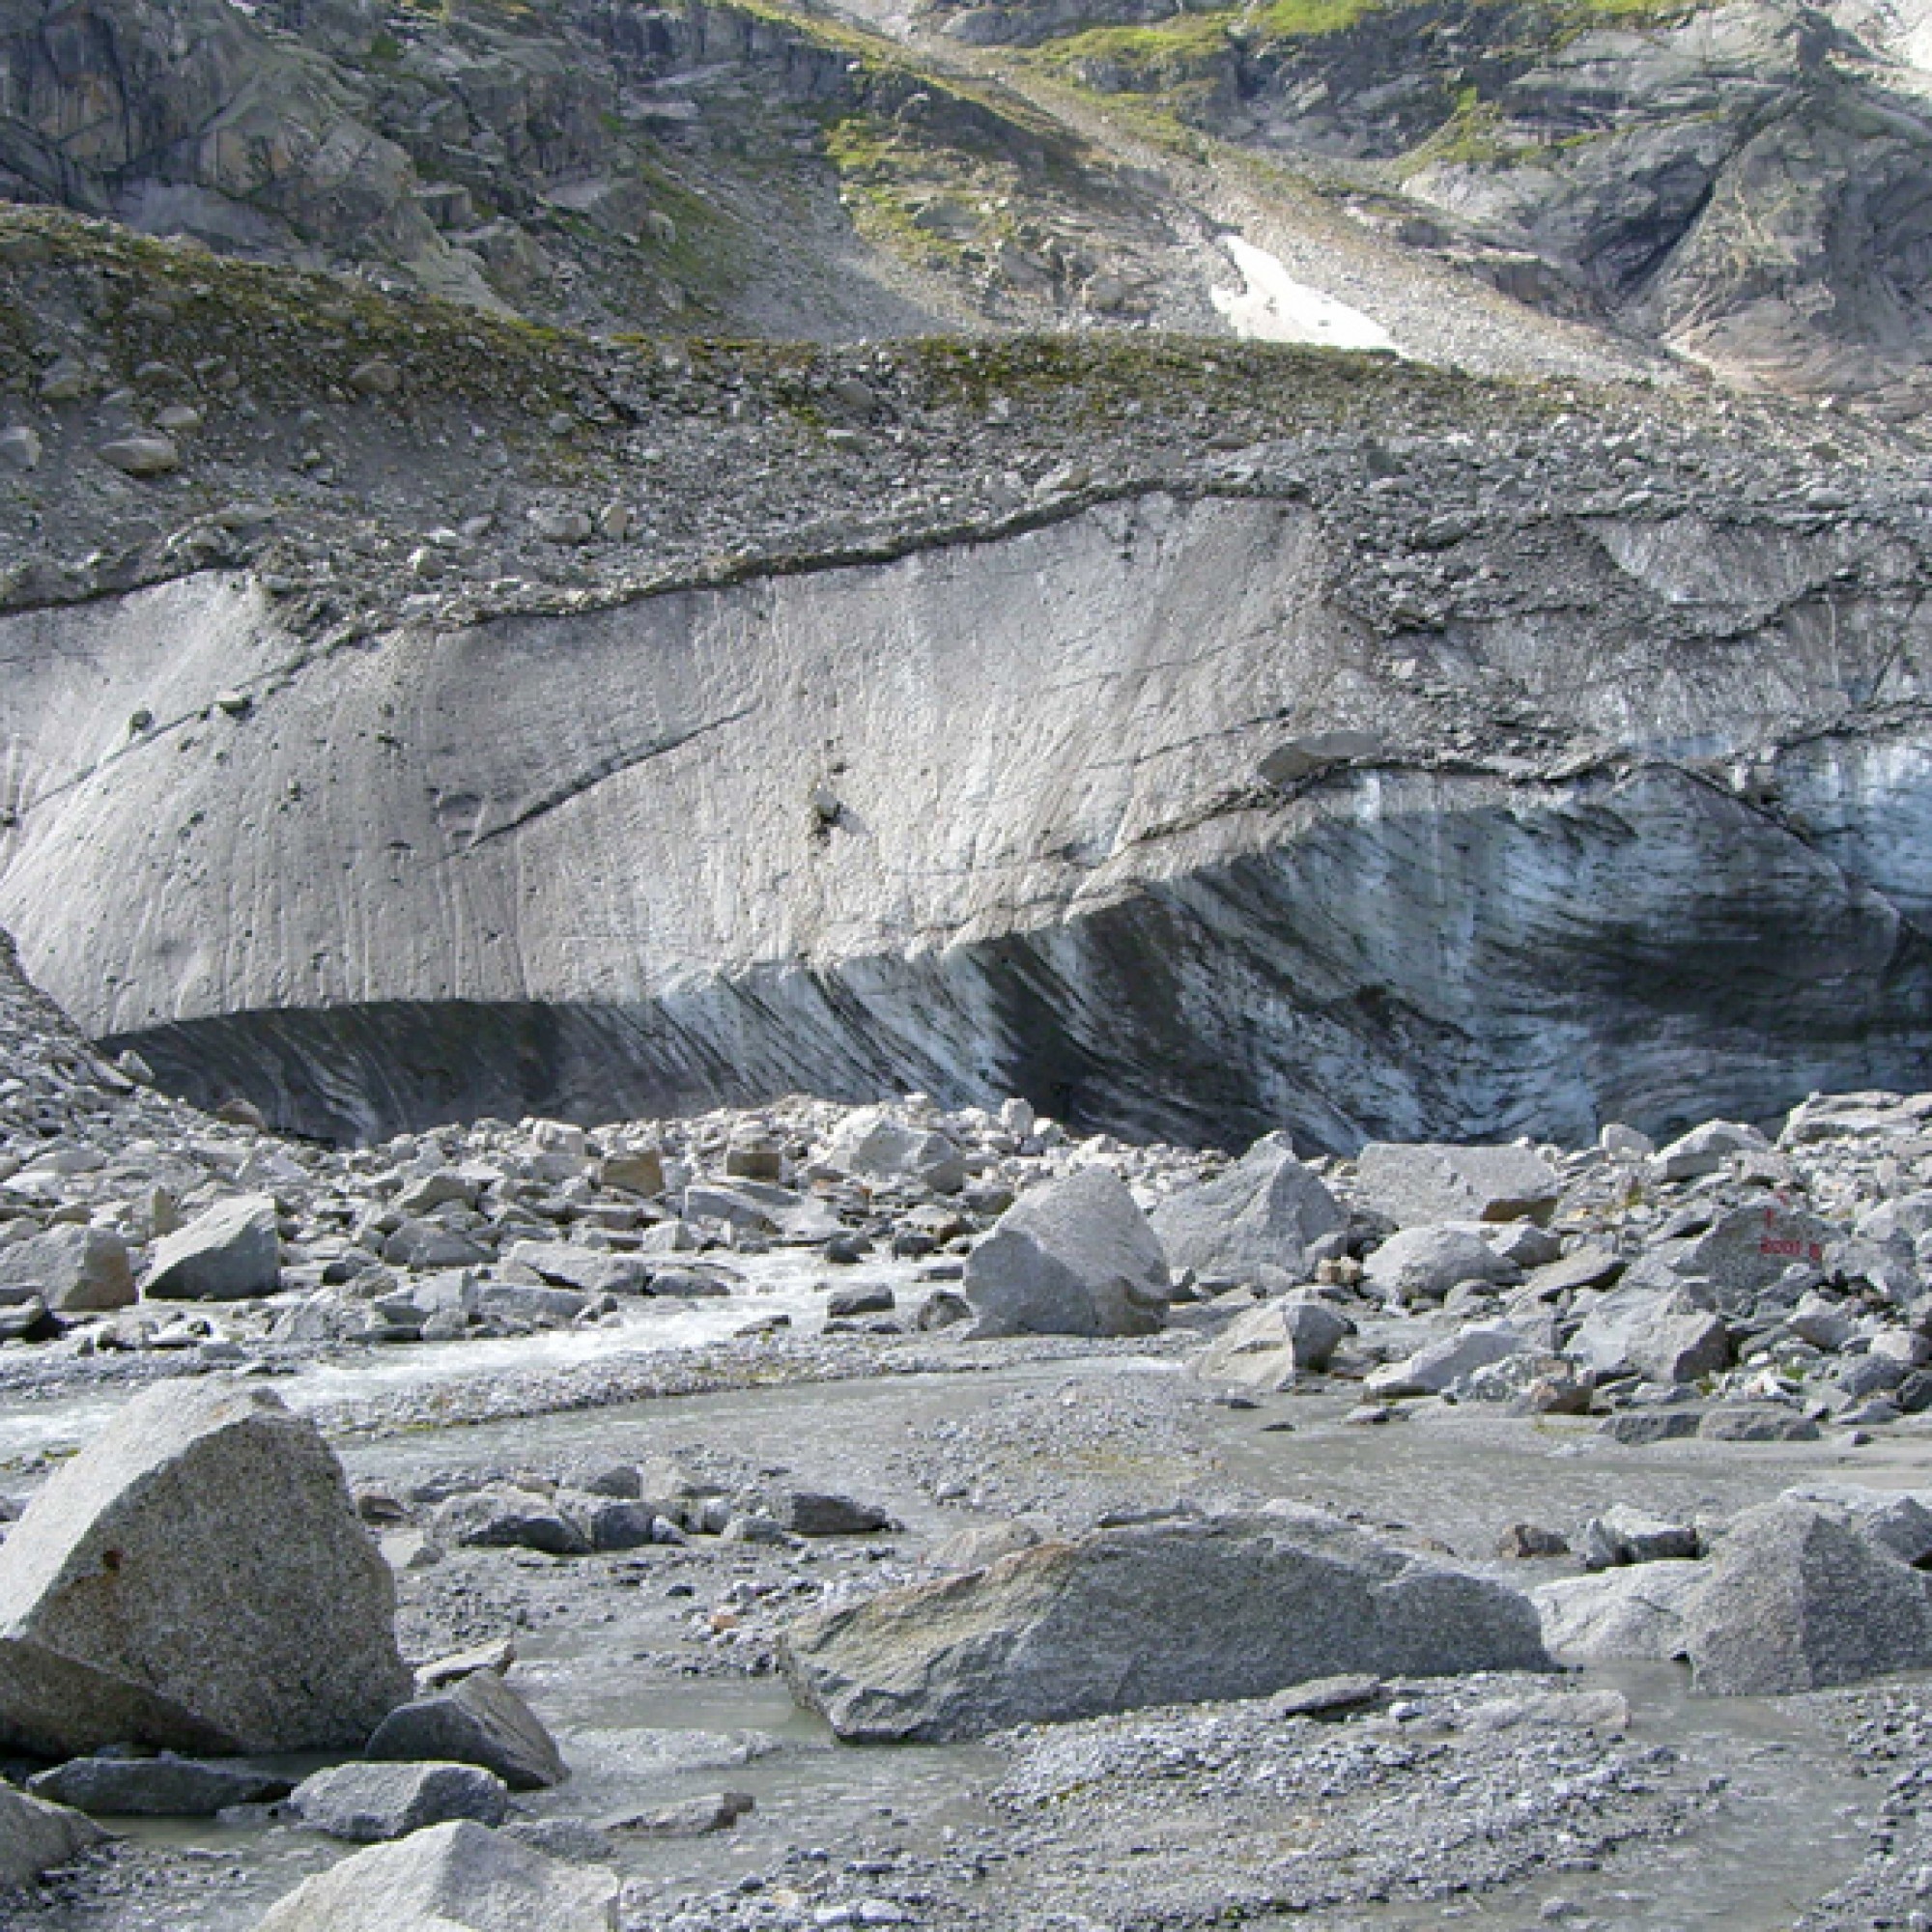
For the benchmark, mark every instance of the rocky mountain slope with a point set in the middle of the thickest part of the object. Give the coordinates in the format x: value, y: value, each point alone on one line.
x: 585, y: 162
x: 1745, y: 185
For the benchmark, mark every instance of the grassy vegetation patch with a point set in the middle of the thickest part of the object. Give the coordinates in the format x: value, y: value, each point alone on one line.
x: 302, y: 330
x: 1182, y: 65
x: 914, y: 199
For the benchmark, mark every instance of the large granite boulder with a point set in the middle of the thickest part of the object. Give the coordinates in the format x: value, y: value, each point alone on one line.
x: 1255, y: 1221
x: 1424, y: 1263
x: 1414, y: 1185
x: 451, y: 1878
x: 1801, y: 1597
x: 1657, y: 1333
x: 36, y: 1836
x: 196, y: 1579
x: 231, y: 1253
x: 1744, y: 1252
x: 76, y: 1268
x: 1270, y: 1346
x: 1075, y: 1257
x: 1175, y: 1612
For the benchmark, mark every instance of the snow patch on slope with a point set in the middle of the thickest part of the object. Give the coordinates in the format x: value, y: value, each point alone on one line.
x: 1274, y: 307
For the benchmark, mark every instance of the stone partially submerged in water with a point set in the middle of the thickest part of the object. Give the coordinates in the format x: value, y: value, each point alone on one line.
x: 479, y: 1720
x: 36, y: 1836
x: 1802, y: 1597
x: 1802, y: 1594
x: 1176, y: 1613
x: 197, y: 1579
x: 450, y: 1878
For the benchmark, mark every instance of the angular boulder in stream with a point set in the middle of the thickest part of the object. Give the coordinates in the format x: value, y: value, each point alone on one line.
x: 196, y: 1579
x: 36, y: 1836
x: 1075, y: 1257
x: 1259, y: 1218
x: 1186, y: 1611
x: 450, y: 1878
x: 1801, y: 1597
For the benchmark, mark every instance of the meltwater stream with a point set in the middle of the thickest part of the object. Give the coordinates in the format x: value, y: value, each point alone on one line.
x: 1790, y: 1824
x: 783, y: 1283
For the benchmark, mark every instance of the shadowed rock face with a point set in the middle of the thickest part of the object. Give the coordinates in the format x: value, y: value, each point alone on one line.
x: 988, y: 819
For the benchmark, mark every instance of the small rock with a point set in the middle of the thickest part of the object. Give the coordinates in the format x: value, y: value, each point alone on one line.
x: 141, y: 455
x: 499, y: 1517
x: 1325, y: 1696
x: 1527, y: 1542
x: 497, y: 1657
x: 814, y: 1512
x: 847, y: 1303
x: 1756, y: 1422
x: 1640, y: 1428
x: 1623, y: 1535
x: 562, y: 526
x: 67, y: 381
x: 478, y: 1721
x: 377, y: 377
x: 634, y: 1170
x: 690, y: 1818
x: 156, y: 1787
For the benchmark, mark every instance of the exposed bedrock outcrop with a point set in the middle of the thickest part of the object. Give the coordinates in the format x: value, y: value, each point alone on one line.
x: 1646, y: 836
